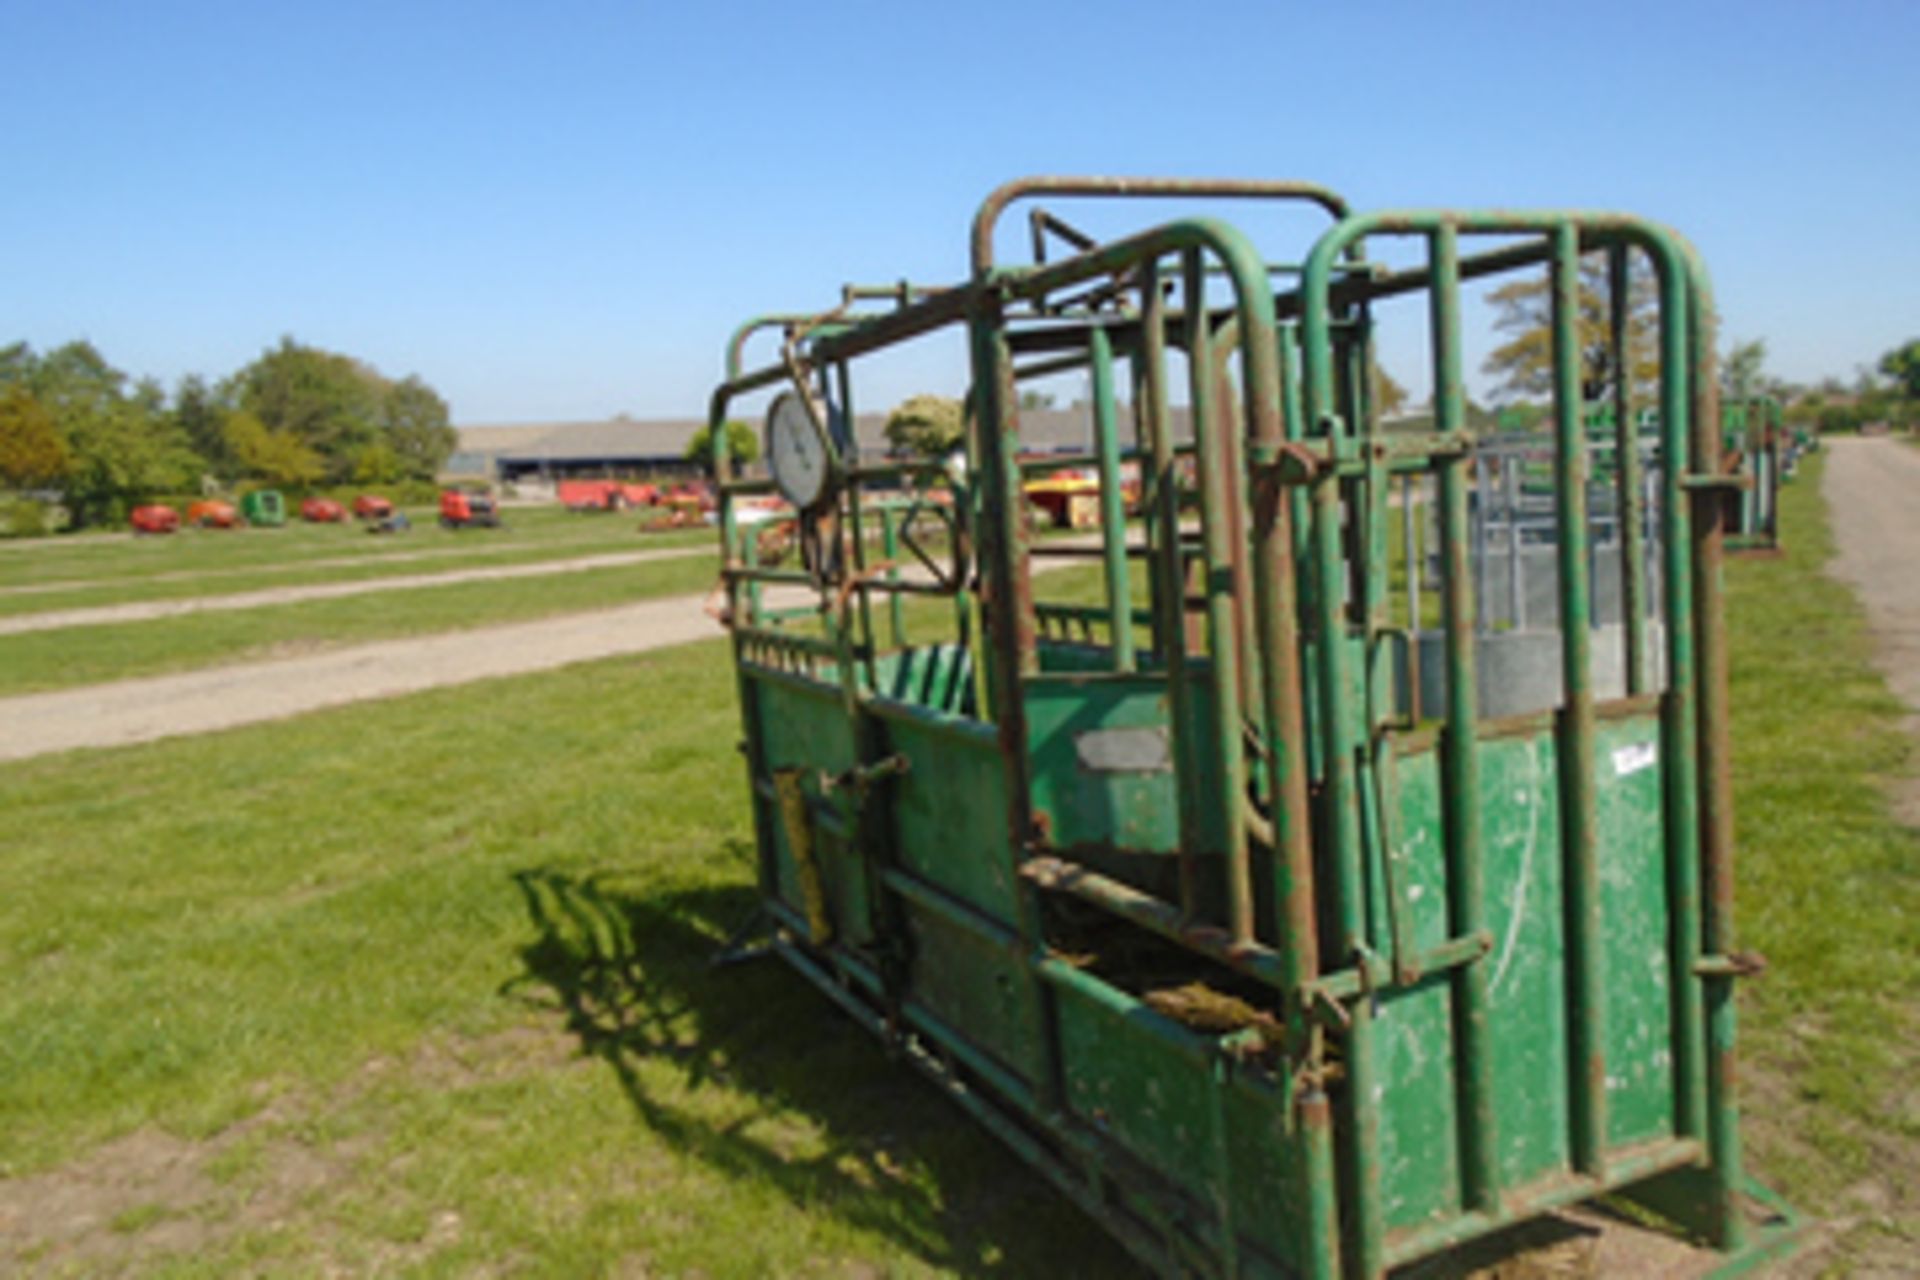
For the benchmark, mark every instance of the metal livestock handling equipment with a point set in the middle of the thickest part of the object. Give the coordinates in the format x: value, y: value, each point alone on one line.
x: 1757, y: 448
x: 1179, y: 894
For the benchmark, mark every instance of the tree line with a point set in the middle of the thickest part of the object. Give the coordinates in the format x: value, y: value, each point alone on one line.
x: 1886, y: 392
x: 78, y: 430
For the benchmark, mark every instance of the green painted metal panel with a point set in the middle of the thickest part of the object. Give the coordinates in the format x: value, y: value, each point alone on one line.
x: 1223, y: 1134
x: 1264, y: 1162
x: 1526, y: 981
x: 1634, y: 927
x: 1103, y: 764
x: 936, y: 676
x: 801, y: 726
x: 1527, y: 994
x: 949, y: 815
x: 1413, y: 1029
x: 968, y: 982
x: 1138, y: 1088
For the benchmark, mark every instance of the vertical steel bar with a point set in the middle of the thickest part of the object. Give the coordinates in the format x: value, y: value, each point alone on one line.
x: 1012, y: 645
x: 1113, y: 511
x: 1482, y: 542
x: 1460, y: 756
x: 1410, y: 553
x: 856, y: 529
x: 1585, y: 988
x: 1716, y: 768
x: 1516, y: 547
x: 1680, y: 749
x: 1626, y: 461
x: 890, y: 551
x: 1340, y: 792
x: 750, y: 557
x: 1239, y: 501
x: 1277, y: 614
x: 1223, y: 644
x: 1156, y: 426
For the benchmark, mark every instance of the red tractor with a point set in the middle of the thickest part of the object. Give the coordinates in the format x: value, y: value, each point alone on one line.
x: 155, y: 519
x: 214, y: 515
x: 461, y: 510
x: 371, y: 506
x: 322, y: 511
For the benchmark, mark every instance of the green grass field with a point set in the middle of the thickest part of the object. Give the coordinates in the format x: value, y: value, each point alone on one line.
x: 63, y: 575
x: 70, y: 656
x: 422, y: 986
x: 1829, y: 886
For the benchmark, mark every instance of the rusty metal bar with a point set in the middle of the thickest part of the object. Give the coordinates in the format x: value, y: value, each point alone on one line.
x: 1459, y: 745
x: 1113, y: 513
x: 1716, y: 764
x: 1681, y: 757
x: 1223, y: 643
x: 1339, y: 823
x: 1632, y: 515
x: 1254, y: 959
x: 997, y: 201
x: 1012, y: 644
x: 1169, y: 601
x: 1586, y: 993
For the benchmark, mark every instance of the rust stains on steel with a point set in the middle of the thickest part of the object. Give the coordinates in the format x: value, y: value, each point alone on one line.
x: 996, y: 203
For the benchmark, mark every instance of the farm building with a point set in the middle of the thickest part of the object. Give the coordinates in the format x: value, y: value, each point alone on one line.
x: 536, y: 452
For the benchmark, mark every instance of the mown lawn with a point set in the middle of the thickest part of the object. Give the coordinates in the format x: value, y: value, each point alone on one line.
x: 54, y: 573
x: 474, y: 552
x: 68, y: 656
x: 430, y: 979
x: 1829, y: 889
x: 423, y: 986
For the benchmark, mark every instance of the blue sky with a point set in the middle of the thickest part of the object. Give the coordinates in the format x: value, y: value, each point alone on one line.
x: 558, y: 211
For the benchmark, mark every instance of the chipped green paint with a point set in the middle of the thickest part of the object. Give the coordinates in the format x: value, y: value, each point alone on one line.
x: 1268, y: 972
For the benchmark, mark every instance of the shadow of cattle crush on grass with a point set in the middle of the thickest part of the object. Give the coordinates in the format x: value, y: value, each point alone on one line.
x: 828, y: 1119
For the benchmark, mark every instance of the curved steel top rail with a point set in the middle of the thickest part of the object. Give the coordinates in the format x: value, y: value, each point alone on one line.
x: 997, y: 200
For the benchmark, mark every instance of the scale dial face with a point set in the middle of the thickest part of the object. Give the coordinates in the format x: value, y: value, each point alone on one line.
x: 798, y: 452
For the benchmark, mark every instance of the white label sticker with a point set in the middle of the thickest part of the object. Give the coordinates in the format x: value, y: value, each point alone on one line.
x: 1632, y: 759
x: 1124, y: 750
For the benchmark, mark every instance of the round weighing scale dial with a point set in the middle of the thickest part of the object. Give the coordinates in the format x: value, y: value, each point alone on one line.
x: 802, y: 458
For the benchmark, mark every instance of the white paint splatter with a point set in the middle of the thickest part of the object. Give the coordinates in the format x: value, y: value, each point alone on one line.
x: 1516, y: 906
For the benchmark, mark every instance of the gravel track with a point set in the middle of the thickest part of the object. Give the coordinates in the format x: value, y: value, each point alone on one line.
x: 130, y: 711
x: 1873, y: 498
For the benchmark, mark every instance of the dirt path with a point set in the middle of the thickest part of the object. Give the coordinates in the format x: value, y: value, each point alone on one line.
x: 143, y: 710
x: 154, y: 707
x: 1873, y: 495
x: 147, y: 610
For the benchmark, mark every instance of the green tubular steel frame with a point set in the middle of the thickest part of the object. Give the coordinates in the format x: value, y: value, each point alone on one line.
x: 1489, y: 962
x: 1757, y: 451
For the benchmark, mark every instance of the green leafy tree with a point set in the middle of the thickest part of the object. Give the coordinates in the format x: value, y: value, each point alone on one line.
x: 121, y: 444
x: 377, y: 464
x: 419, y: 430
x: 743, y: 444
x: 1389, y: 397
x: 932, y: 426
x: 1523, y: 309
x: 1743, y: 371
x: 278, y: 458
x: 31, y: 450
x: 201, y: 416
x: 1035, y: 400
x: 1902, y: 366
x: 339, y: 407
